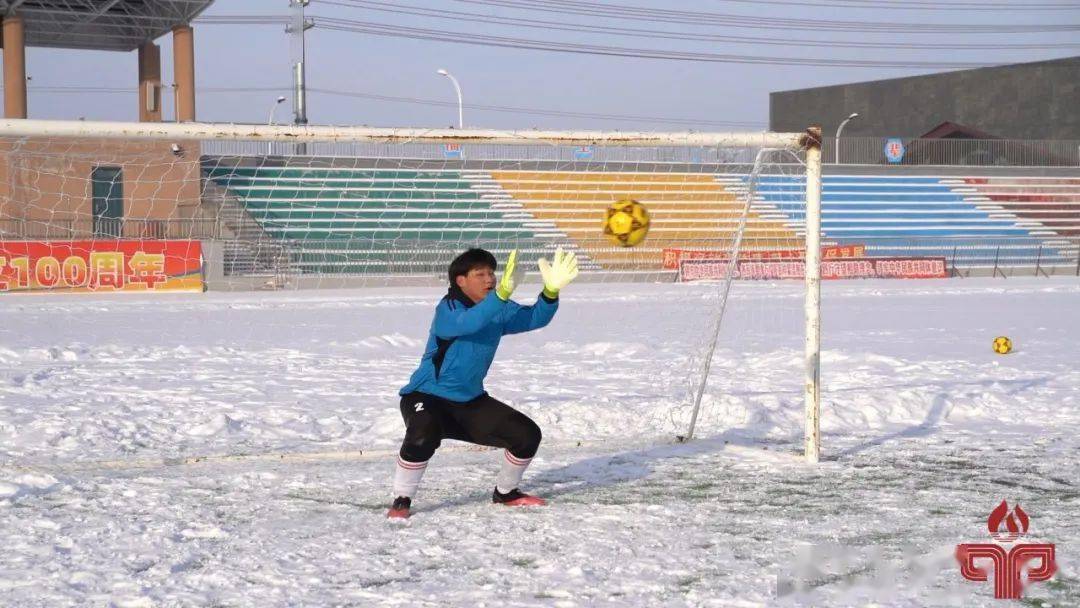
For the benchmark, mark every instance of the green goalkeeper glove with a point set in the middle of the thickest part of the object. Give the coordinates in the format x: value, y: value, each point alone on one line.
x: 559, y: 272
x: 510, y: 278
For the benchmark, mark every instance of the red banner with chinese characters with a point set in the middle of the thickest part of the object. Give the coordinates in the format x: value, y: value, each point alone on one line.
x: 101, y: 266
x: 672, y: 257
x: 836, y: 268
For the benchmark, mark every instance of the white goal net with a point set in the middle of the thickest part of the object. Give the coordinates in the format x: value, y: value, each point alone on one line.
x: 153, y: 207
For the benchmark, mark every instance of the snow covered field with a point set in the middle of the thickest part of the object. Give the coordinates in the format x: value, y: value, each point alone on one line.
x: 106, y: 401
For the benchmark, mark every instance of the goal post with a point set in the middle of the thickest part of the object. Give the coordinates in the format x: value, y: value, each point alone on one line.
x: 312, y: 210
x: 812, y: 449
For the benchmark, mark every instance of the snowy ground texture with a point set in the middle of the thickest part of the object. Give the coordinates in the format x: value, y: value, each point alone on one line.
x: 106, y: 402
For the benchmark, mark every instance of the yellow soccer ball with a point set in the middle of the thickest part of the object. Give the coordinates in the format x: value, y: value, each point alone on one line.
x: 1002, y: 345
x: 626, y: 222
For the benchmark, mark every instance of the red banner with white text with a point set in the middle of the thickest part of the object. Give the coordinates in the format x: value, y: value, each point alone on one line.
x: 672, y: 257
x: 836, y: 268
x: 101, y: 266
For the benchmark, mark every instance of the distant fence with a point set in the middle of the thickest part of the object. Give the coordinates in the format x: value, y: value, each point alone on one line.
x: 956, y: 152
x: 109, y: 228
x: 987, y: 255
x: 853, y: 151
x: 1007, y: 256
x: 997, y: 256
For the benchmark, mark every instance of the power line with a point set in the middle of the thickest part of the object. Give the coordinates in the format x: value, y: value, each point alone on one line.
x: 652, y: 33
x: 385, y: 29
x: 431, y: 102
x: 99, y: 89
x: 916, y: 5
x: 628, y: 12
x: 242, y: 20
x: 541, y: 112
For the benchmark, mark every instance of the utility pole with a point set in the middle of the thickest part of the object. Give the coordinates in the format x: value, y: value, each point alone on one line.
x: 296, y: 29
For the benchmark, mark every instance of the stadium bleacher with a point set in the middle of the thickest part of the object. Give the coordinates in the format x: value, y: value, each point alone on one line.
x: 974, y: 222
x: 371, y: 217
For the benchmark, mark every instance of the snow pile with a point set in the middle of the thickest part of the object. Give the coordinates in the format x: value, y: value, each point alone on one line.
x: 104, y: 399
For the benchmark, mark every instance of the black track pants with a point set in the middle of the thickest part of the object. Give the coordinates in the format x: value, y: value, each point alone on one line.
x: 484, y: 421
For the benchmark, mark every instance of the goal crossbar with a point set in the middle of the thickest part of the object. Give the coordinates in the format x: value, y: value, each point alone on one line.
x: 306, y: 133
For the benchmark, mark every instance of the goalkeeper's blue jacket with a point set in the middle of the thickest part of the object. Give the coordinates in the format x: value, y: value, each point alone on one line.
x: 463, y: 339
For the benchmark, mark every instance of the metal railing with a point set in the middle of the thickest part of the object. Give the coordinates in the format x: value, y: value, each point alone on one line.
x: 458, y: 153
x: 853, y: 151
x: 1007, y: 256
x: 107, y: 228
x: 955, y: 152
x: 991, y: 256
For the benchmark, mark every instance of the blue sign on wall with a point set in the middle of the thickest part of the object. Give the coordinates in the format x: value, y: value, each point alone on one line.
x: 583, y: 153
x: 452, y: 150
x: 894, y: 149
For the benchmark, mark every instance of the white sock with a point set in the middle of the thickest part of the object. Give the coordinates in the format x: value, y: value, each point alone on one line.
x: 510, y: 473
x: 407, y: 477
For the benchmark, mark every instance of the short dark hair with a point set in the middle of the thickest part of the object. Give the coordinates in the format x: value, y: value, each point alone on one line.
x: 470, y: 260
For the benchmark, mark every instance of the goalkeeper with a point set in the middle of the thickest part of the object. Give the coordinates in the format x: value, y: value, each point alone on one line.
x: 445, y: 398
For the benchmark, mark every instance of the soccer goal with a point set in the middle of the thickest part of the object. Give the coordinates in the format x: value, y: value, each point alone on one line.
x: 98, y: 206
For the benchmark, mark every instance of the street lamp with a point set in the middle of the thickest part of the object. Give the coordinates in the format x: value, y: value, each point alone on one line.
x: 270, y: 121
x: 838, y: 130
x: 457, y: 87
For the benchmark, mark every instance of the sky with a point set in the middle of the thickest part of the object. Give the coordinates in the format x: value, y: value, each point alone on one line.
x: 352, y: 73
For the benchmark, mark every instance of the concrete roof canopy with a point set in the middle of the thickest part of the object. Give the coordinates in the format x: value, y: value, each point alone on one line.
x: 106, y: 25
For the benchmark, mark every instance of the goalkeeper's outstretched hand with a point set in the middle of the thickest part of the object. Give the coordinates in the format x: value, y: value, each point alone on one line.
x: 511, y: 276
x: 559, y: 272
